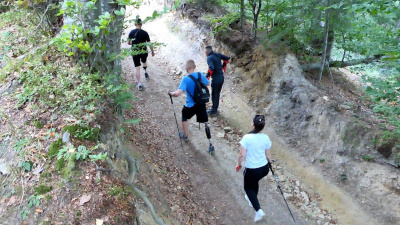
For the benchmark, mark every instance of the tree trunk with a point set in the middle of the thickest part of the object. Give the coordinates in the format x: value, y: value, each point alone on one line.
x: 256, y: 12
x: 341, y: 64
x: 331, y: 41
x: 98, y: 60
x: 267, y: 23
x: 321, y: 69
x: 241, y: 14
x: 344, y: 51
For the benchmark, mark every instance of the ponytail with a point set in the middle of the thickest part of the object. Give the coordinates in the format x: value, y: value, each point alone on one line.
x: 259, y: 123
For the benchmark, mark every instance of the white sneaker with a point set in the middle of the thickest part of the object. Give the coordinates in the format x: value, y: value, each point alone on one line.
x: 259, y: 215
x: 248, y: 200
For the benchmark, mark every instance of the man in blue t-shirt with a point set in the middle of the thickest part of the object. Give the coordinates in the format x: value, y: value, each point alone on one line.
x: 191, y: 108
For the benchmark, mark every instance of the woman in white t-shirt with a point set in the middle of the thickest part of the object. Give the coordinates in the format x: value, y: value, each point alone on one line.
x: 255, y: 150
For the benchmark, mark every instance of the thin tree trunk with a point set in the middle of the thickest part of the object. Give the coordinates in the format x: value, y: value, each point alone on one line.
x: 267, y: 24
x: 340, y: 64
x: 331, y: 41
x: 325, y: 43
x: 344, y: 51
x: 241, y: 14
x: 256, y: 12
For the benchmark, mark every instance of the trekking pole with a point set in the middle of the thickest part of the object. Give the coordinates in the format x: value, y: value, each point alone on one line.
x: 280, y: 189
x: 176, y: 120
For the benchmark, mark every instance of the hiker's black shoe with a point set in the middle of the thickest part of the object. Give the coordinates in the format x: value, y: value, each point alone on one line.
x: 181, y: 136
x: 146, y: 75
x: 140, y: 87
x: 212, y: 112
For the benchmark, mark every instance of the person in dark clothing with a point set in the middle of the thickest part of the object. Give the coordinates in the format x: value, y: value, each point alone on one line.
x: 139, y: 39
x: 255, y: 150
x: 216, y: 71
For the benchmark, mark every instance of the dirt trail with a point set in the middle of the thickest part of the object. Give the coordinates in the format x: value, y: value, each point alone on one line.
x: 217, y: 183
x: 214, y: 176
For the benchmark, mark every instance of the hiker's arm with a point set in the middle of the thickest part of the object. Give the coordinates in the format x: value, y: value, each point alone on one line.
x: 176, y: 93
x: 150, y: 45
x: 130, y: 37
x: 210, y: 68
x: 152, y: 50
x: 268, y: 154
x: 242, y: 156
x: 210, y: 64
x: 224, y: 57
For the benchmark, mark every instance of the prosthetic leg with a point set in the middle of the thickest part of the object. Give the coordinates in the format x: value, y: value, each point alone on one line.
x: 208, y: 133
x: 146, y: 75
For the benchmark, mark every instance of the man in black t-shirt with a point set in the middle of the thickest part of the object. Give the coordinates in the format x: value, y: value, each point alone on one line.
x: 139, y: 39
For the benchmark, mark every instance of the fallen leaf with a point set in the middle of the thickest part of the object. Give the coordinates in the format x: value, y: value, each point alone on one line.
x: 37, y: 170
x: 99, y: 222
x: 39, y: 211
x: 12, y: 200
x: 84, y: 199
x: 24, y: 223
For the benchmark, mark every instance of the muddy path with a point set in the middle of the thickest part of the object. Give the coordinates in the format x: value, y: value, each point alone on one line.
x: 216, y: 183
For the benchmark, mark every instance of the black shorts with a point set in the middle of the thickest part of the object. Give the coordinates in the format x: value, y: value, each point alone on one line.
x: 199, y: 110
x: 138, y: 58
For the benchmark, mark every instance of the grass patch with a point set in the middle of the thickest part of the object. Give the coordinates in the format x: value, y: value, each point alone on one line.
x: 60, y: 165
x: 38, y: 124
x: 83, y: 132
x: 367, y: 158
x: 114, y: 191
x: 55, y: 148
x: 120, y: 191
x: 42, y: 189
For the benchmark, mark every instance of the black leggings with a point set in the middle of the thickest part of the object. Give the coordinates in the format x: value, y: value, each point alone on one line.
x: 251, y: 178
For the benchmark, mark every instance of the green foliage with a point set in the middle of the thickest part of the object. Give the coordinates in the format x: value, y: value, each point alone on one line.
x: 55, y: 147
x: 82, y: 153
x: 120, y: 191
x: 321, y: 160
x: 24, y: 213
x: 100, y: 156
x: 42, y: 189
x: 53, y: 87
x: 223, y: 23
x: 114, y: 191
x: 133, y: 121
x: 83, y: 132
x: 26, y: 165
x: 38, y: 124
x: 367, y: 158
x: 34, y: 200
x: 60, y: 164
x: 343, y: 177
x: 69, y: 153
x: 385, y: 92
x: 20, y: 144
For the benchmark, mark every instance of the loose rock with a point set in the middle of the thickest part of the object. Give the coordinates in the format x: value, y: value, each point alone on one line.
x: 227, y: 129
